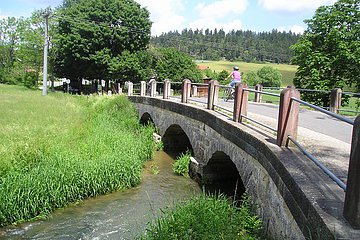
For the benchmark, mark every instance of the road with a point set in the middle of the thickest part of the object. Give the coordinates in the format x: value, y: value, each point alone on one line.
x: 312, y: 120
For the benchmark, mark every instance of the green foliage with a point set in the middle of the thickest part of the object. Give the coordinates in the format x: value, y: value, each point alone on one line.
x: 181, y: 164
x: 247, y: 46
x: 93, y: 36
x: 206, y: 218
x: 21, y: 50
x: 267, y: 76
x: 209, y: 73
x: 222, y: 75
x: 99, y: 149
x: 328, y: 52
x: 172, y: 64
x: 288, y: 71
x: 159, y: 146
x: 131, y: 66
x: 251, y: 78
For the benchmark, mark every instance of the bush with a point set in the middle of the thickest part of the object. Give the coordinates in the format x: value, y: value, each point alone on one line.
x: 266, y: 76
x: 181, y: 164
x: 222, y: 75
x: 206, y: 218
x: 269, y: 77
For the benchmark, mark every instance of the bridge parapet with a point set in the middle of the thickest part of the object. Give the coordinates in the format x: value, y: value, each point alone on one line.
x: 287, y: 115
x: 293, y: 200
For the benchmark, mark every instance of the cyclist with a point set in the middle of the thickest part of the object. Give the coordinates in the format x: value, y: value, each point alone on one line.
x: 236, y: 77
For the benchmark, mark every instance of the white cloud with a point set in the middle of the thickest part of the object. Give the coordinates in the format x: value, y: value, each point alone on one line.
x: 221, y: 9
x: 293, y: 5
x: 293, y: 28
x: 214, y: 15
x: 164, y: 15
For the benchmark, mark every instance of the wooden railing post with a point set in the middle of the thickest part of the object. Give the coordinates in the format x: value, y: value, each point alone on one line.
x: 352, y: 195
x: 130, y: 88
x: 166, y: 89
x: 213, y: 94
x: 142, y: 88
x: 257, y: 98
x: 240, y: 102
x: 119, y: 88
x: 335, y: 100
x: 106, y: 86
x: 288, y: 116
x: 185, y: 90
x: 152, y: 87
x: 194, y: 91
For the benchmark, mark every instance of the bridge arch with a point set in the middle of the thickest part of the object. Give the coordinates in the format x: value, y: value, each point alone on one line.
x: 176, y: 140
x: 221, y: 175
x: 272, y: 176
x: 146, y: 119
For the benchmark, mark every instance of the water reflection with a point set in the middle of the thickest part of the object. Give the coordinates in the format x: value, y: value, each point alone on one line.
x: 120, y: 215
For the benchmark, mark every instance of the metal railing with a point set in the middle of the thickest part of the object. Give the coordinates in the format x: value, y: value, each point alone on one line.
x: 315, y: 160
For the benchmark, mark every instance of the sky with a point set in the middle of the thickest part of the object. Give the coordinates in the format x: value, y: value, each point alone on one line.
x: 170, y: 15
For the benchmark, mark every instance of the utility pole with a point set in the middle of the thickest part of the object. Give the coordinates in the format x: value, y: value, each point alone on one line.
x: 46, y: 15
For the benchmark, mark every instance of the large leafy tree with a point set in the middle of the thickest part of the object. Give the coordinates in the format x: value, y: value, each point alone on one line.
x: 169, y: 63
x: 21, y: 47
x: 94, y: 35
x: 328, y: 53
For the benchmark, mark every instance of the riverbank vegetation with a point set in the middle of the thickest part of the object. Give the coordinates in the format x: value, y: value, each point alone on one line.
x: 62, y: 149
x: 206, y: 217
x: 181, y: 164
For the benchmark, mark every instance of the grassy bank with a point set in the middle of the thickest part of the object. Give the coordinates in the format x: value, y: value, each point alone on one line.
x: 60, y: 149
x: 206, y: 217
x: 288, y: 71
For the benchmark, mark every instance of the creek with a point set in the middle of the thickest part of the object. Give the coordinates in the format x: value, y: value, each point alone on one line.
x: 119, y: 215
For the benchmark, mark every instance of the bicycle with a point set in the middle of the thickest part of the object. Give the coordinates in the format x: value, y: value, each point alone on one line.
x: 230, y: 94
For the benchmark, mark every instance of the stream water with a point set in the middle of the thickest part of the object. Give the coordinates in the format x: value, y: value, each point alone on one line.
x: 120, y: 215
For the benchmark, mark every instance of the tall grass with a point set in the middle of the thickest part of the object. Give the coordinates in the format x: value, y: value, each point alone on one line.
x: 102, y: 150
x: 206, y: 217
x: 181, y: 164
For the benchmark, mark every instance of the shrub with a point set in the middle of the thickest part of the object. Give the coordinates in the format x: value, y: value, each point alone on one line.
x: 206, y: 218
x: 269, y: 77
x: 181, y: 164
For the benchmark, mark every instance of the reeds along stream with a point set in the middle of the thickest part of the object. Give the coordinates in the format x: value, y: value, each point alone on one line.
x: 120, y: 215
x: 104, y: 153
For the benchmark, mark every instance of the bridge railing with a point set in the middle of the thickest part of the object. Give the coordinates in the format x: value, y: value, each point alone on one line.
x: 287, y: 131
x: 287, y: 126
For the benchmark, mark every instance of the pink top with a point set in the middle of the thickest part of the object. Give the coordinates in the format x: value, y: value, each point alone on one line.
x: 236, y: 76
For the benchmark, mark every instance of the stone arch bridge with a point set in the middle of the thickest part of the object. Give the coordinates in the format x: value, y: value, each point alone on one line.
x: 293, y: 198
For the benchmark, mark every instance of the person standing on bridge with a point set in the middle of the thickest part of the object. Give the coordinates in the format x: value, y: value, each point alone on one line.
x: 236, y: 77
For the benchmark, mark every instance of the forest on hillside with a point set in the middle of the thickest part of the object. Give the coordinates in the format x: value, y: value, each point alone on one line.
x: 247, y: 46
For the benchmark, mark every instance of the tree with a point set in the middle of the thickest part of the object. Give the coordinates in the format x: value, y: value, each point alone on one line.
x: 21, y: 47
x: 251, y: 78
x: 175, y: 65
x: 94, y: 35
x: 9, y: 39
x: 328, y: 53
x: 269, y: 77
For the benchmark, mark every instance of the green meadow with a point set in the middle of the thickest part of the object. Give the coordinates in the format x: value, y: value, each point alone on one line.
x: 288, y: 71
x: 60, y: 149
